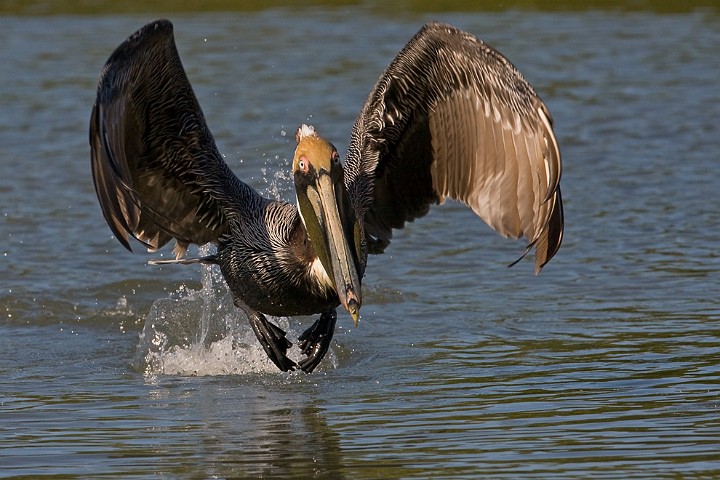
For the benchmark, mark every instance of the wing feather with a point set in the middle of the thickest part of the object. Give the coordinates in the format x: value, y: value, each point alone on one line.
x: 156, y: 169
x: 452, y: 118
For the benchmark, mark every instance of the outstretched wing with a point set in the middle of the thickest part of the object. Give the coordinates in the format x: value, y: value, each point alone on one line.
x: 452, y: 118
x: 157, y: 172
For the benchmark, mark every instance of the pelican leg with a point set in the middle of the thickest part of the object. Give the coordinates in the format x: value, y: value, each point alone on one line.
x: 315, y: 341
x: 272, y: 338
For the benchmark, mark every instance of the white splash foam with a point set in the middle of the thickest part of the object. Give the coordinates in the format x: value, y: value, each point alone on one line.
x: 201, y: 333
x: 305, y: 131
x: 227, y: 356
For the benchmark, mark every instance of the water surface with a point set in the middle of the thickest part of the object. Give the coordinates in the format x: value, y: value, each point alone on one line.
x: 606, y: 365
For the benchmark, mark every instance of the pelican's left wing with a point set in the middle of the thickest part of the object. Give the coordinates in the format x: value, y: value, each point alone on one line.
x: 452, y: 118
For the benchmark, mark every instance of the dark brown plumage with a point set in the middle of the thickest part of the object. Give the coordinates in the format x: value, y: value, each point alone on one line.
x: 450, y: 118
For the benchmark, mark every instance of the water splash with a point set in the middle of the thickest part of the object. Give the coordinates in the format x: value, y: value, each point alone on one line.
x: 201, y: 332
x: 277, y: 176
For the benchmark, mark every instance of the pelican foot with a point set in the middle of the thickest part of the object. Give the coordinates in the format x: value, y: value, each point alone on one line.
x: 272, y: 338
x: 315, y: 341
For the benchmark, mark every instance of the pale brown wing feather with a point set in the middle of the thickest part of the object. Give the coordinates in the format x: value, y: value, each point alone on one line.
x: 452, y: 118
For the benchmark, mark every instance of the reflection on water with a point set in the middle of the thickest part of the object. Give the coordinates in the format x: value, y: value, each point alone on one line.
x: 271, y: 436
x: 605, y: 365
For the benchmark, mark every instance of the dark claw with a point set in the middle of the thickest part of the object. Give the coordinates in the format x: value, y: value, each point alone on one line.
x: 272, y: 338
x: 315, y: 341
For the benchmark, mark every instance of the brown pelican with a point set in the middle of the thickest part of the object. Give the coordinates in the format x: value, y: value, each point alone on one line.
x: 449, y: 118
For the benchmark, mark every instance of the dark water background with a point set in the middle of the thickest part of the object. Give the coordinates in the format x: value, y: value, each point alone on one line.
x: 606, y: 365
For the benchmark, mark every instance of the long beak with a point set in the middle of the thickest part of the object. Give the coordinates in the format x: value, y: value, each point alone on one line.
x: 331, y: 242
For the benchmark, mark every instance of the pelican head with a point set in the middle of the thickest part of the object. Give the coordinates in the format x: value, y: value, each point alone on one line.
x: 328, y: 216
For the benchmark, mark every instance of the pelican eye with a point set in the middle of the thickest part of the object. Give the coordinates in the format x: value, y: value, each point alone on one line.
x: 335, y: 158
x: 303, y: 164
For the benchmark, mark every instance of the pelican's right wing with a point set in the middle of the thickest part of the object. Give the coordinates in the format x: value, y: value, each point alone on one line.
x: 452, y: 118
x: 157, y: 172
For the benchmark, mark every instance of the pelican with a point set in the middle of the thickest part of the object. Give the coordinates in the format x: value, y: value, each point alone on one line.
x: 450, y: 117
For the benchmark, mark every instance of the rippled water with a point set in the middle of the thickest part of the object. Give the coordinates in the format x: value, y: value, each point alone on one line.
x: 606, y: 365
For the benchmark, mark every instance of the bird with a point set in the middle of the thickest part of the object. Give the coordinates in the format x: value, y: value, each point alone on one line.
x: 449, y: 118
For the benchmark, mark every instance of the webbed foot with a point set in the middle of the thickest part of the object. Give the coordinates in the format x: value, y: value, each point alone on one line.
x: 272, y: 338
x: 315, y: 341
